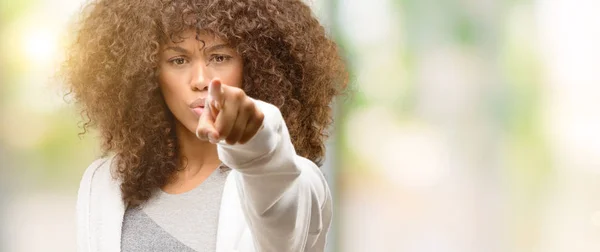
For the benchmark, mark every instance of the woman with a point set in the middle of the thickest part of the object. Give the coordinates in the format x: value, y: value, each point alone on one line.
x: 212, y: 116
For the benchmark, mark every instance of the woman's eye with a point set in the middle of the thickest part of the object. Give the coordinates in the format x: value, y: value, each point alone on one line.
x: 178, y: 61
x: 220, y: 58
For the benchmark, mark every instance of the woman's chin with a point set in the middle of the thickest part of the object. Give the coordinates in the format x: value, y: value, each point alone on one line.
x: 188, y: 128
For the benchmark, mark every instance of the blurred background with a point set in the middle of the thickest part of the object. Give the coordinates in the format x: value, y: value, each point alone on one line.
x: 471, y: 126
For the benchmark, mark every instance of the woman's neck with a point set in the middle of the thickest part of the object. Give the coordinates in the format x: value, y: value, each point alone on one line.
x: 201, y: 159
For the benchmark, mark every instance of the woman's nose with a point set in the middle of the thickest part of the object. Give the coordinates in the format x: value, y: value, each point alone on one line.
x: 200, y: 78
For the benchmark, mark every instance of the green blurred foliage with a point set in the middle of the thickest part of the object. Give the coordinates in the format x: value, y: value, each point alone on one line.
x: 57, y: 159
x: 11, y: 10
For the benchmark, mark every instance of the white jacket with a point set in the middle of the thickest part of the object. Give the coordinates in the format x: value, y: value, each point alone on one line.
x: 273, y: 199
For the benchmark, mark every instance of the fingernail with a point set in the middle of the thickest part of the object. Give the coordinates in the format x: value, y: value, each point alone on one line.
x: 212, y: 138
x: 216, y: 105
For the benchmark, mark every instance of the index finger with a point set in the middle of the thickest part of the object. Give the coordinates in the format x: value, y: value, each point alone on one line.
x: 215, y: 93
x: 206, y: 129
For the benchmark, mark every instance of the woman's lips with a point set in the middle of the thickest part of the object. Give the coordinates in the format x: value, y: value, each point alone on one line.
x: 198, y: 110
x: 197, y: 106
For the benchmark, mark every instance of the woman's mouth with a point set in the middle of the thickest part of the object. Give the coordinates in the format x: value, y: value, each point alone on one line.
x: 197, y: 106
x: 198, y: 110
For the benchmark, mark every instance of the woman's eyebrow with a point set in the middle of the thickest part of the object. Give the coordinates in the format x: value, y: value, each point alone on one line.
x: 210, y: 49
x: 177, y: 49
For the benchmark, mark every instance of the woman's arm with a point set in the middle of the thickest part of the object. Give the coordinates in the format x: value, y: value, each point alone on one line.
x: 285, y: 197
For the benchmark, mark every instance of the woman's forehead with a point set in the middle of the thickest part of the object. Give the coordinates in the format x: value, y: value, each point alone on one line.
x: 191, y: 36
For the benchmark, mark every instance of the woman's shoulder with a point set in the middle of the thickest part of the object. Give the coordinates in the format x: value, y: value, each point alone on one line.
x: 98, y: 171
x: 98, y: 201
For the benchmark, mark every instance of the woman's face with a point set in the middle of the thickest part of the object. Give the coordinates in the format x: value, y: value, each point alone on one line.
x: 187, y: 67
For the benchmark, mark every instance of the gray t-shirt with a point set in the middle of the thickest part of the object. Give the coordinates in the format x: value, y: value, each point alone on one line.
x: 176, y: 222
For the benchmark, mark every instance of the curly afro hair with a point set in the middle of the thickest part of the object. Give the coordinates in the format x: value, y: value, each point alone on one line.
x: 111, y: 70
